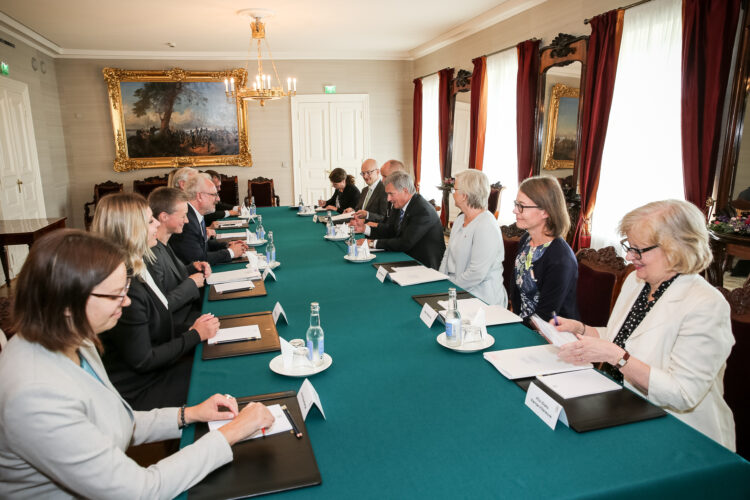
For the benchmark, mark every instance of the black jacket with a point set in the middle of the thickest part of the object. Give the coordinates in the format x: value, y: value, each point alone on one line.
x: 172, y: 278
x: 419, y: 235
x: 191, y: 245
x: 347, y: 198
x: 378, y: 203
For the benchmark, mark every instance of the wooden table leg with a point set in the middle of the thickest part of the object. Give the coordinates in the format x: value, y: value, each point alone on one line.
x: 6, y: 267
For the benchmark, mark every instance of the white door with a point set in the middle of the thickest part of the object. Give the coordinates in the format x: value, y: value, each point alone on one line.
x: 460, y: 158
x: 21, y: 194
x: 328, y: 131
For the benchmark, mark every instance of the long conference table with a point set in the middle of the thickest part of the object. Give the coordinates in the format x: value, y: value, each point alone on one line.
x: 409, y: 418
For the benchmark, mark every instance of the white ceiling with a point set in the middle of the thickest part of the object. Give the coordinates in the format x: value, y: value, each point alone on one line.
x: 211, y: 29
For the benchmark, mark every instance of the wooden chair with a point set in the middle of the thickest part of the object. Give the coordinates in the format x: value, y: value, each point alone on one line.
x: 6, y: 317
x: 601, y: 274
x: 263, y: 191
x: 230, y: 191
x: 511, y: 237
x: 494, y: 200
x: 100, y: 190
x: 735, y: 376
x: 145, y: 186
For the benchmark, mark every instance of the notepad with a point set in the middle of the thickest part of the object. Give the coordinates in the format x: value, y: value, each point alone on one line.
x: 530, y: 361
x: 230, y: 223
x: 414, y: 275
x: 551, y: 333
x: 224, y: 236
x: 338, y: 218
x: 281, y: 424
x: 494, y: 315
x: 579, y: 383
x: 234, y: 286
x: 235, y: 334
x: 230, y: 276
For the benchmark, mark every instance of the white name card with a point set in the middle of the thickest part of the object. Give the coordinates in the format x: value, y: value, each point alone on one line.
x: 382, y: 273
x: 546, y: 408
x: 307, y: 396
x: 266, y: 272
x: 279, y: 311
x: 428, y: 315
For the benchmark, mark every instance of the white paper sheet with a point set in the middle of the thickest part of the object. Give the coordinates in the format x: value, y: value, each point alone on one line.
x: 281, y: 424
x: 551, y: 333
x: 339, y: 218
x: 235, y: 334
x: 579, y: 383
x: 414, y: 275
x: 234, y: 286
x: 494, y: 315
x: 530, y: 361
x: 224, y: 236
x: 229, y: 223
x: 230, y: 276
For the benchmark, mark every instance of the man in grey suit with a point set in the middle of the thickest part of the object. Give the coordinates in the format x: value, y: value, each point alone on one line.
x: 372, y: 199
x: 180, y: 283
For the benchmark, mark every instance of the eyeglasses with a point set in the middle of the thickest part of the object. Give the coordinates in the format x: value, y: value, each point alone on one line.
x: 119, y: 297
x: 520, y: 207
x: 215, y: 195
x: 637, y: 251
x: 369, y: 172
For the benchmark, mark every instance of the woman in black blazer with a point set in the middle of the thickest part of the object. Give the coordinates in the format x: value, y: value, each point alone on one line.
x: 345, y: 193
x: 146, y: 359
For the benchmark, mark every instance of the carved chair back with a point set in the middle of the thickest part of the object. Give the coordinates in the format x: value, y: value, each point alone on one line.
x: 263, y: 191
x: 601, y: 274
x: 145, y: 186
x: 511, y: 237
x: 100, y: 190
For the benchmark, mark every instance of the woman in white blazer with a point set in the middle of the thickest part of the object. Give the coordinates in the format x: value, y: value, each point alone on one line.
x: 670, y: 334
x: 64, y: 427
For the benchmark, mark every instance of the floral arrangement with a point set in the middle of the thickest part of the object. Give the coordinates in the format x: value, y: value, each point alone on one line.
x: 447, y: 184
x: 731, y: 225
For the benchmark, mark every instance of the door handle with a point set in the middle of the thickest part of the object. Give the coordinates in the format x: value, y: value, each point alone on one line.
x: 18, y: 183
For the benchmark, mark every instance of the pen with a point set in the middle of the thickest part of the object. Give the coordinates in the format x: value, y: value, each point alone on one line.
x: 295, y: 430
x: 263, y: 430
x: 554, y: 317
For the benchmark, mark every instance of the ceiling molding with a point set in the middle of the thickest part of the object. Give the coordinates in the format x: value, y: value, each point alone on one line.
x: 493, y: 16
x: 28, y: 36
x: 229, y: 56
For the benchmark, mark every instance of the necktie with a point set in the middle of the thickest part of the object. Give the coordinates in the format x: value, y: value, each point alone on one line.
x: 367, y: 198
x: 401, y: 218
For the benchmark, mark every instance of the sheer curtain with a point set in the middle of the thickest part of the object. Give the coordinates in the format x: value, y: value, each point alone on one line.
x: 500, y: 161
x: 430, y: 175
x: 642, y: 158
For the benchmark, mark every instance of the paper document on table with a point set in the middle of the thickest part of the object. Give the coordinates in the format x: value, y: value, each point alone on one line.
x: 230, y: 223
x: 527, y: 362
x: 579, y: 383
x: 235, y: 334
x: 551, y: 333
x: 234, y: 286
x: 339, y: 218
x: 224, y: 236
x: 236, y: 275
x: 280, y: 424
x: 494, y: 315
x: 414, y: 275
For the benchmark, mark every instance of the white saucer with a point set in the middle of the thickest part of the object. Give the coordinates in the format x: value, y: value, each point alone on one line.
x: 336, y: 238
x: 359, y: 261
x: 277, y: 366
x: 487, y: 341
x: 256, y: 243
x: 306, y: 214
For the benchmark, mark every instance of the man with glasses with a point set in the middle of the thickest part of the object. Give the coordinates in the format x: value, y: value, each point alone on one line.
x: 192, y: 244
x: 372, y: 199
x: 222, y: 209
x: 373, y: 217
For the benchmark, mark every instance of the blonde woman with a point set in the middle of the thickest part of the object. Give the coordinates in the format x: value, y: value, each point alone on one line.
x: 148, y: 362
x: 670, y: 334
x: 474, y: 257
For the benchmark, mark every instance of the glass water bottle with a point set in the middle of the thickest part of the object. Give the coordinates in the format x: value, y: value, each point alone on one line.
x: 314, y: 336
x: 270, y: 250
x: 260, y: 232
x: 452, y: 320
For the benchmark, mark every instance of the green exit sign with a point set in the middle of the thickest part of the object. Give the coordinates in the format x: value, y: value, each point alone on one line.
x: 329, y: 89
x: 5, y: 70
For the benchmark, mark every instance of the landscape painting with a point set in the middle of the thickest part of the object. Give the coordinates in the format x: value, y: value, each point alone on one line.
x: 562, y: 128
x: 176, y: 118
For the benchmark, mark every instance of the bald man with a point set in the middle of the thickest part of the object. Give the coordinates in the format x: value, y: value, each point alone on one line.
x: 372, y: 198
x: 373, y: 216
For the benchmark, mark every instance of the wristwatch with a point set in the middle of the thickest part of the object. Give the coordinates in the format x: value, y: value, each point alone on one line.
x: 623, y: 360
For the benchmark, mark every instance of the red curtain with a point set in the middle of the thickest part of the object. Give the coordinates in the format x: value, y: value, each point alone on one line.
x: 478, y: 117
x: 599, y: 83
x: 708, y: 32
x: 417, y: 130
x: 526, y: 91
x: 445, y: 111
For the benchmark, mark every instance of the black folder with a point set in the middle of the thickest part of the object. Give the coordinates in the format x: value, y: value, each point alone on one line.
x: 268, y: 341
x: 600, y: 411
x: 390, y: 265
x: 434, y: 298
x: 264, y: 465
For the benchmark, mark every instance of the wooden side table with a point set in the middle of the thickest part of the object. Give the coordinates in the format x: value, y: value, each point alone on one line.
x: 722, y: 246
x: 24, y: 232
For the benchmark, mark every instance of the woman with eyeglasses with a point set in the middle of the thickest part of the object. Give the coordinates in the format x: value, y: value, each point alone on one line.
x: 65, y: 428
x: 345, y: 193
x: 546, y: 270
x: 474, y: 257
x: 146, y: 359
x: 670, y: 333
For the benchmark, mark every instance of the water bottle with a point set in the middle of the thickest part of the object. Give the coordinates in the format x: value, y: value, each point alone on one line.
x: 270, y: 249
x: 452, y: 320
x: 314, y: 336
x: 352, y: 243
x: 301, y: 203
x: 252, y: 205
x: 260, y: 233
x: 329, y: 225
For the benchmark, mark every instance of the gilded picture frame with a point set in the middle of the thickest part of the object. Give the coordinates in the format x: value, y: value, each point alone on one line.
x: 562, y: 127
x: 176, y: 118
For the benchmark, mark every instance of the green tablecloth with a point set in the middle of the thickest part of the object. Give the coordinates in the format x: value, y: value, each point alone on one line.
x: 409, y: 418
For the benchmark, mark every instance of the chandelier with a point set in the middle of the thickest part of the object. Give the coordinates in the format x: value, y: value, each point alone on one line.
x: 264, y: 86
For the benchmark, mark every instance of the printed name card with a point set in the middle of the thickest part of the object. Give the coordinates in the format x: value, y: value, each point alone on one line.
x: 428, y: 315
x: 382, y: 273
x: 279, y: 311
x: 268, y: 271
x: 287, y: 353
x: 307, y: 396
x: 546, y: 408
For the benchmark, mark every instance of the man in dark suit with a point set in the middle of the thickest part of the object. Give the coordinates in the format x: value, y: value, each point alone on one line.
x: 180, y: 283
x: 222, y: 209
x: 372, y: 199
x: 192, y: 244
x: 374, y: 217
x: 413, y: 227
